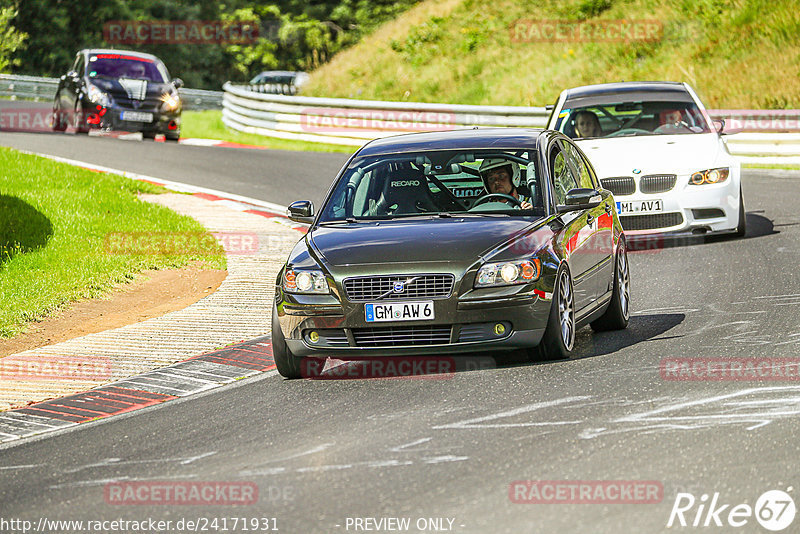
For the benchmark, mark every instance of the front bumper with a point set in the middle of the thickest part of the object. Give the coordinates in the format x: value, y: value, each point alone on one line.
x: 687, y: 209
x: 461, y: 325
x: 164, y: 122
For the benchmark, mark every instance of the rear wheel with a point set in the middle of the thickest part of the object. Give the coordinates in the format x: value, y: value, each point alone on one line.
x: 287, y: 363
x: 741, y: 228
x: 149, y: 135
x: 618, y: 312
x: 559, y: 335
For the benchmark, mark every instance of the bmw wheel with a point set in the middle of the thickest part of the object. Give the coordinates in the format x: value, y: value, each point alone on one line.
x: 741, y: 228
x: 559, y: 335
x: 618, y: 312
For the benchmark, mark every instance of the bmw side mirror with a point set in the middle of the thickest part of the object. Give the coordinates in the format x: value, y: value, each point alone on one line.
x: 719, y: 125
x: 581, y: 198
x: 301, y: 211
x: 178, y: 83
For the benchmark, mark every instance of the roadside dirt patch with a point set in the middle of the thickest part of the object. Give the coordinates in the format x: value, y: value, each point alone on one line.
x: 151, y: 295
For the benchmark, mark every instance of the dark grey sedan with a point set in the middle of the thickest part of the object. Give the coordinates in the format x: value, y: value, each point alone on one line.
x: 452, y: 243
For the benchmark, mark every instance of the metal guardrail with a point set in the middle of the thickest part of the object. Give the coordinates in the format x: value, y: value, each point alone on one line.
x: 44, y: 89
x: 353, y: 122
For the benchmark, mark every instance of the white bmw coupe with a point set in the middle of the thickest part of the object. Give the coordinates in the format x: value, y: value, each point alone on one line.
x: 655, y: 147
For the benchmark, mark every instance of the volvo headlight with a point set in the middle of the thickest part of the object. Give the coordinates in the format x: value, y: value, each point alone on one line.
x: 171, y: 101
x: 304, y: 282
x: 509, y: 273
x: 710, y: 176
x: 97, y: 96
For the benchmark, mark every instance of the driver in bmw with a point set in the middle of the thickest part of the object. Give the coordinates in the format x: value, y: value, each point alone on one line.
x: 501, y: 176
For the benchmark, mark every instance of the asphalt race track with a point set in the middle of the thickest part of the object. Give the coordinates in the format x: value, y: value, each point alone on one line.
x: 324, y: 451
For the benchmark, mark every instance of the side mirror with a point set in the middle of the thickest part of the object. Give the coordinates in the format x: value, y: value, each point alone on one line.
x: 549, y: 107
x: 178, y: 83
x: 301, y: 211
x: 719, y: 125
x: 581, y: 198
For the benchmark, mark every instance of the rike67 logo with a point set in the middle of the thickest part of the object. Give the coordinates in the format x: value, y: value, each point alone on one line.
x: 774, y: 510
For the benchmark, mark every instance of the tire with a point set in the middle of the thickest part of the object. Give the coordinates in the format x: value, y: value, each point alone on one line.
x: 59, y: 120
x: 618, y: 312
x: 172, y: 138
x: 741, y: 228
x: 287, y: 363
x: 149, y: 135
x: 558, y: 341
x: 80, y: 121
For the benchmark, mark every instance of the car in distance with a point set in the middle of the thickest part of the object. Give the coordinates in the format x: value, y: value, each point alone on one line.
x: 281, y: 82
x: 409, y: 255
x: 654, y: 145
x: 118, y: 90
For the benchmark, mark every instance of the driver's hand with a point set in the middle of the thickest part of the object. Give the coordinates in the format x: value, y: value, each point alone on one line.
x: 525, y: 205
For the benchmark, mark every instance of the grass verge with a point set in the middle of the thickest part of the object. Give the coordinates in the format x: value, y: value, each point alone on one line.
x: 737, y: 55
x: 54, y: 223
x: 209, y: 125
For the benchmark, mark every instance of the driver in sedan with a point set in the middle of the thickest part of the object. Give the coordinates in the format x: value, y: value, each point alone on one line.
x: 501, y: 176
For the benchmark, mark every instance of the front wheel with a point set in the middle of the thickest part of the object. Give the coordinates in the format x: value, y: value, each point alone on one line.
x: 287, y: 363
x: 741, y: 228
x: 559, y: 335
x: 617, y: 314
x: 59, y: 120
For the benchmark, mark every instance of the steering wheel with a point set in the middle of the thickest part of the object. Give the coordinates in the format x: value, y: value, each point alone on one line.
x: 677, y: 127
x: 626, y: 131
x: 503, y: 196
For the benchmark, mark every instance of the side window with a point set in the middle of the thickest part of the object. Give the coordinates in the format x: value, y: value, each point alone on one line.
x: 76, y: 62
x: 562, y: 175
x: 581, y: 170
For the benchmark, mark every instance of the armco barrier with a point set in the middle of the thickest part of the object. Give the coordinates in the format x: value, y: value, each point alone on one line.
x: 44, y: 89
x: 354, y: 122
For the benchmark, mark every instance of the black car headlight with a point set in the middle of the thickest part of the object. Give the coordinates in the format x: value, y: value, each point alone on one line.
x: 170, y: 101
x: 305, y: 282
x: 98, y: 96
x: 710, y: 176
x: 508, y: 273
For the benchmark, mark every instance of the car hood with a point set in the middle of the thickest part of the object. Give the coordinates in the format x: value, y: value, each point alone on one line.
x: 153, y: 90
x: 461, y: 240
x: 655, y: 154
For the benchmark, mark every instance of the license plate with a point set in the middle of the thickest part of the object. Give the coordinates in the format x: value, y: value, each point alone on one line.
x: 137, y: 116
x: 640, y: 206
x: 399, y: 311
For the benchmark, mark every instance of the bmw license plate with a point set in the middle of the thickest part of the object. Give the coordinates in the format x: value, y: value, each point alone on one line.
x: 137, y: 116
x: 640, y: 206
x: 399, y: 311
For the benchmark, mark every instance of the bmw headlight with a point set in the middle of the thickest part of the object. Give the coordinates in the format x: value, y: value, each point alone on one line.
x: 305, y: 282
x: 710, y: 176
x: 508, y: 273
x: 97, y: 96
x: 171, y: 101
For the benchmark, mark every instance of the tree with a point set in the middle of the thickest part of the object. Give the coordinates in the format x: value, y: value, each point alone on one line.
x: 10, y: 39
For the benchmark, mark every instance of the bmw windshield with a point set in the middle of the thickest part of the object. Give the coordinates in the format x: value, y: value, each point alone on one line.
x: 625, y: 119
x: 437, y: 183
